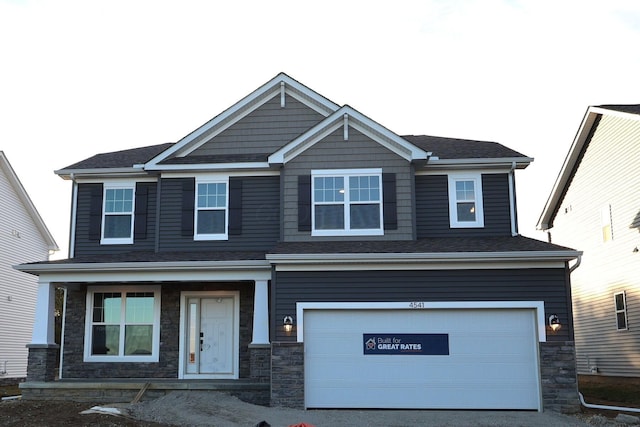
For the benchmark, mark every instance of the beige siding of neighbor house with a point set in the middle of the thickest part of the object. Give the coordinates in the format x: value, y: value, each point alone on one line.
x: 606, y: 178
x: 20, y: 242
x: 333, y: 152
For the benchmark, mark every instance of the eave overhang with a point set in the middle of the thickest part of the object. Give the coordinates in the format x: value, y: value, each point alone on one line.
x: 444, y: 257
x: 150, y: 271
x: 132, y: 172
x: 503, y: 162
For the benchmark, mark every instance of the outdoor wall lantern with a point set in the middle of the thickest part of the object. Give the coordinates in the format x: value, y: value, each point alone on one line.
x: 554, y: 322
x: 288, y: 324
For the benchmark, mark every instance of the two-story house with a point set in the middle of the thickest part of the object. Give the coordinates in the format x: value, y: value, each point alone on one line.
x: 595, y: 206
x: 24, y: 237
x: 297, y: 253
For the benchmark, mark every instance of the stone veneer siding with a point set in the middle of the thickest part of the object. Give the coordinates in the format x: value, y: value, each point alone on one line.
x: 260, y: 362
x: 42, y: 362
x: 167, y: 366
x: 557, y: 368
x: 287, y: 374
x: 559, y: 376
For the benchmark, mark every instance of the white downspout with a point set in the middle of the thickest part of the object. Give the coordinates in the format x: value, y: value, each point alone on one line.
x: 72, y: 226
x: 576, y: 265
x: 512, y: 200
x: 612, y: 408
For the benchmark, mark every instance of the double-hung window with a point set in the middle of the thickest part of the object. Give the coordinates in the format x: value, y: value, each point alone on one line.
x: 465, y: 201
x: 211, y: 213
x: 123, y: 324
x: 347, y: 202
x: 620, y: 301
x: 117, y: 213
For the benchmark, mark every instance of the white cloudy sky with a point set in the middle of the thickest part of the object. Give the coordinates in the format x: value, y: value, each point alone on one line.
x: 84, y: 77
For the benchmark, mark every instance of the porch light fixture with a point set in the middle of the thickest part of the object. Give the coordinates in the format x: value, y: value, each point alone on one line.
x: 288, y: 324
x: 554, y: 323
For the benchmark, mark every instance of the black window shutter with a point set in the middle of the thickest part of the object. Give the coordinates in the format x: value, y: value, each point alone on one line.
x: 95, y: 212
x: 389, y: 203
x: 140, y: 220
x: 304, y: 203
x: 188, y: 203
x: 235, y: 206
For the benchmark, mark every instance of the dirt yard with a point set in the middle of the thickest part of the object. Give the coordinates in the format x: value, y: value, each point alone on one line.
x: 221, y: 410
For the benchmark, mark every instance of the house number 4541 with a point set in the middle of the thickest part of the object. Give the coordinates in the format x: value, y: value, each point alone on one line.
x: 416, y: 304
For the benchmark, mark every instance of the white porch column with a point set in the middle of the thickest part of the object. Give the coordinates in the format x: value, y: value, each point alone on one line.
x: 261, y: 313
x: 43, y: 327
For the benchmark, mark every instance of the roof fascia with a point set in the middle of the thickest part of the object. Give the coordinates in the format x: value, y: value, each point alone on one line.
x: 242, y: 108
x: 70, y: 174
x: 15, y: 182
x: 567, y: 170
x: 167, y: 271
x: 500, y: 162
x: 358, y: 121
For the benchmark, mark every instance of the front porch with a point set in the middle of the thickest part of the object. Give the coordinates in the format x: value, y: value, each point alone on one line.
x: 120, y: 391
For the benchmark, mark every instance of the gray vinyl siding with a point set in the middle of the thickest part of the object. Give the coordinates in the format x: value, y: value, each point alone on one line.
x: 548, y: 285
x: 260, y: 217
x: 432, y: 207
x: 86, y: 246
x: 264, y: 130
x: 607, y: 175
x: 359, y: 152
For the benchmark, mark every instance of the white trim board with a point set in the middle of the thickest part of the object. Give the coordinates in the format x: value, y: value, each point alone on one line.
x: 538, y: 306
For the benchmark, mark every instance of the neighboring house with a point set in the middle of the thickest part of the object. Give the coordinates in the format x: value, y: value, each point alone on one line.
x: 297, y: 253
x: 24, y: 237
x: 595, y: 206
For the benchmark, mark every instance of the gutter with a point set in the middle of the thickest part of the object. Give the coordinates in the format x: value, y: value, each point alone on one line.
x: 611, y: 408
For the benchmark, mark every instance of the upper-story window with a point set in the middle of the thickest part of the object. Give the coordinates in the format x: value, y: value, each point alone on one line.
x: 117, y: 213
x: 620, y: 300
x: 211, y: 213
x: 465, y: 200
x: 347, y: 202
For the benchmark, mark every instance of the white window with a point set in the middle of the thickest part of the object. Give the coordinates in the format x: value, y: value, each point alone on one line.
x: 465, y: 201
x: 211, y: 213
x: 122, y: 324
x: 620, y: 300
x: 347, y: 202
x: 605, y: 223
x: 117, y: 213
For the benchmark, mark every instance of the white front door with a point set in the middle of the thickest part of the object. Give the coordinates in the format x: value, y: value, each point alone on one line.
x: 211, y: 336
x: 216, y: 335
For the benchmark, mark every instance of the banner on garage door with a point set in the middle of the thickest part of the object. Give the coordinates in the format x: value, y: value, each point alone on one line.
x: 406, y: 344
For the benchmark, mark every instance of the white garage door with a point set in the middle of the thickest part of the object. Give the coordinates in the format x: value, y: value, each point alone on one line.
x: 492, y: 360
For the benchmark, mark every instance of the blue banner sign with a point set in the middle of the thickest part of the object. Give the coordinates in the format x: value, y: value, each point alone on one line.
x: 406, y: 344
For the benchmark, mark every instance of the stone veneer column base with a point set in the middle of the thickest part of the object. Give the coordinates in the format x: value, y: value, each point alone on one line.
x: 559, y: 377
x: 287, y: 374
x: 42, y: 362
x: 260, y: 362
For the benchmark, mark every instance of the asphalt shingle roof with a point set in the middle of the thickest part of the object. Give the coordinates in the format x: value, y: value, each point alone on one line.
x: 444, y: 148
x: 121, y: 159
x: 440, y: 245
x: 453, y: 148
x: 429, y: 245
x: 629, y: 108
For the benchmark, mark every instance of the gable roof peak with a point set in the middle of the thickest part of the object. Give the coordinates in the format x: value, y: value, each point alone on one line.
x: 281, y: 84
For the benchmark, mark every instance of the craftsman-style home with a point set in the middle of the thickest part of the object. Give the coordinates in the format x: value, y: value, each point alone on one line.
x: 295, y: 252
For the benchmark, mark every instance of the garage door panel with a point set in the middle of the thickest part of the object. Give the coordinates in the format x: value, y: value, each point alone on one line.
x: 492, y: 361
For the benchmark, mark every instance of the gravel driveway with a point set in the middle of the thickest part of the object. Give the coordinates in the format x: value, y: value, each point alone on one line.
x: 204, y: 408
